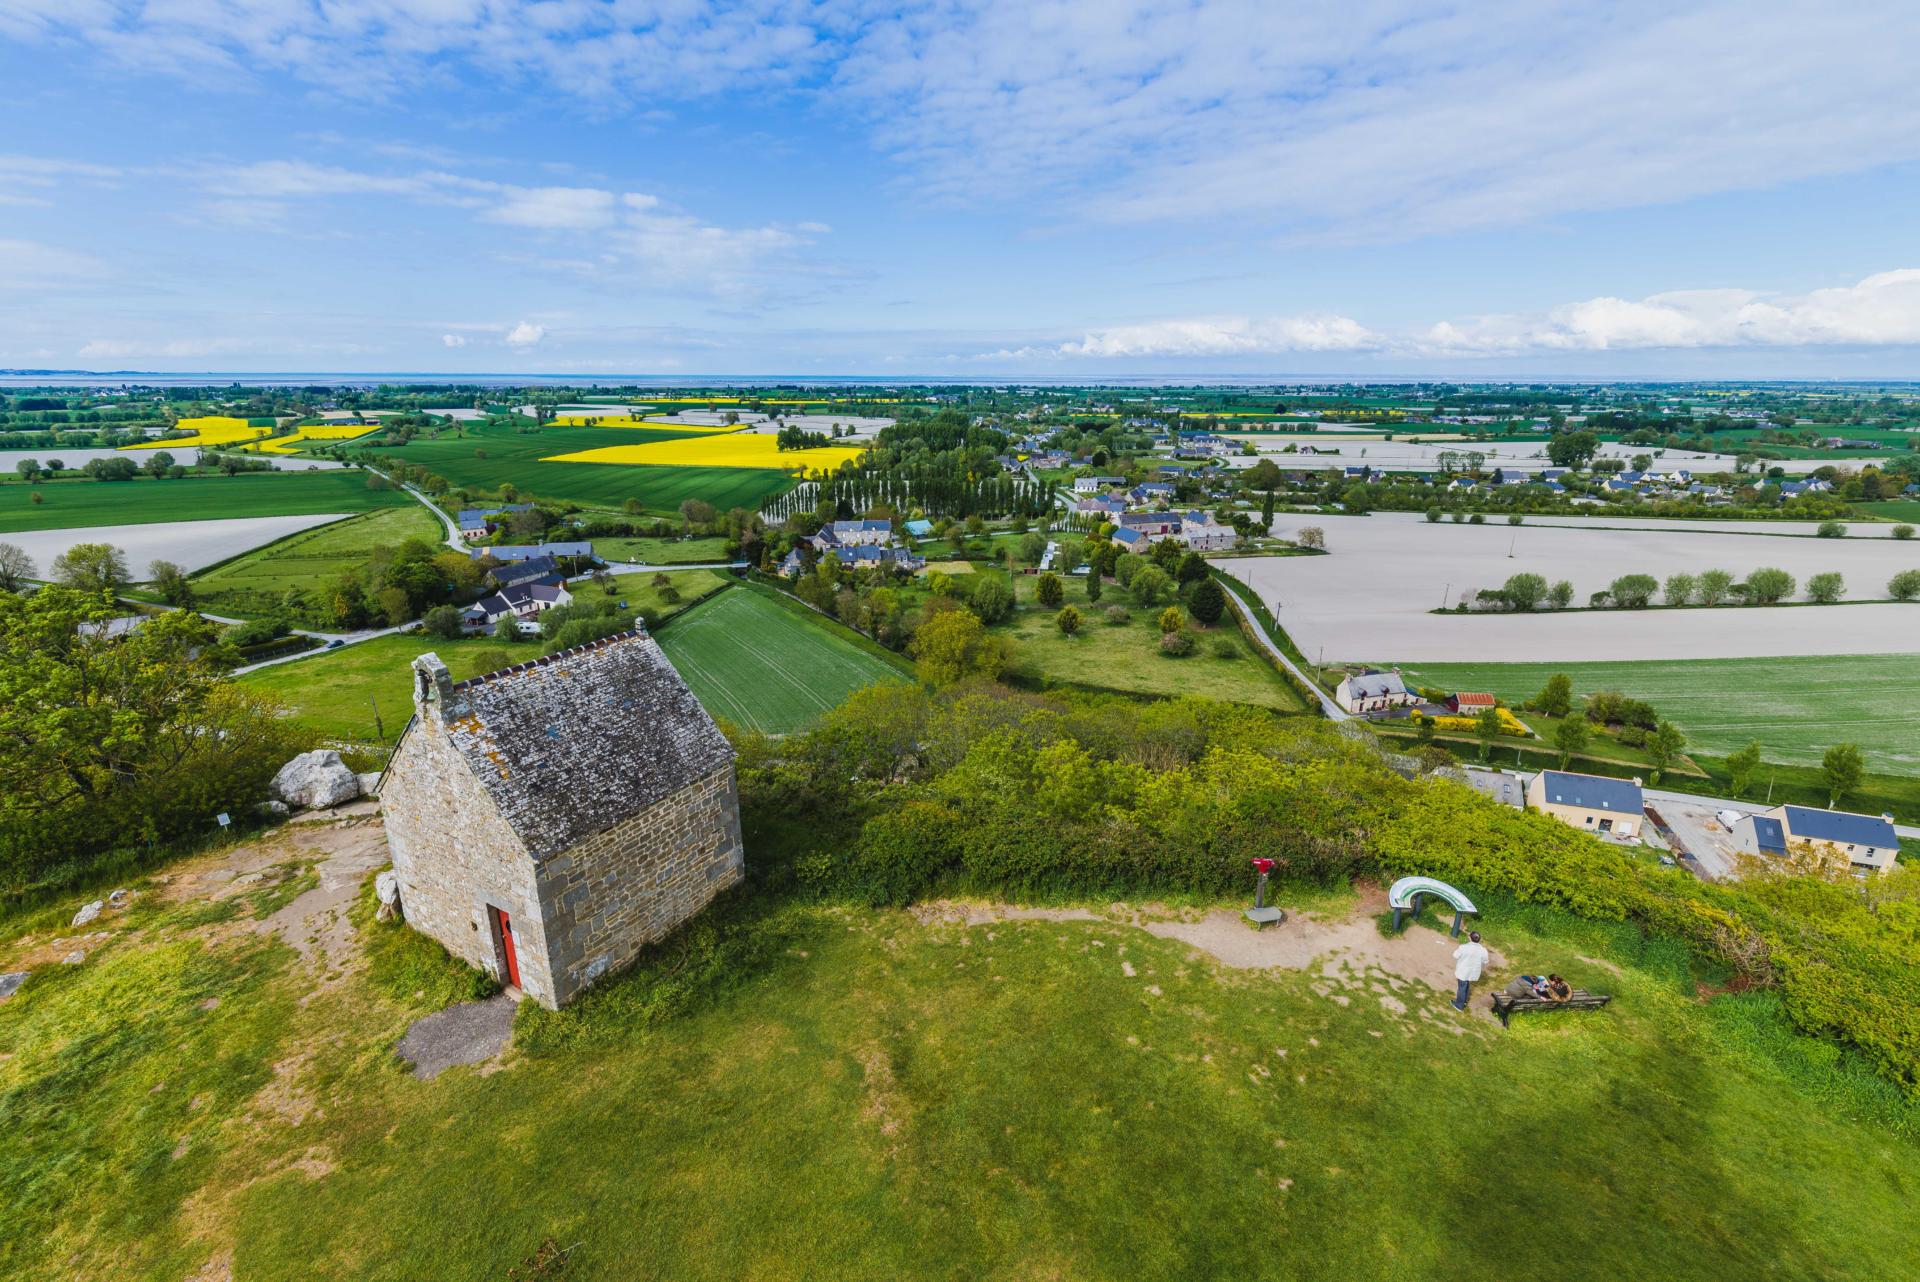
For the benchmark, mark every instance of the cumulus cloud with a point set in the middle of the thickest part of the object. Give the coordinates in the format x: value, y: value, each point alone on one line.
x: 525, y: 334
x: 569, y: 207
x: 1881, y: 310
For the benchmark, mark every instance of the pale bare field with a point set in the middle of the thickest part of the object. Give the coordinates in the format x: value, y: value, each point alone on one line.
x: 1525, y: 456
x: 191, y: 544
x: 1370, y: 598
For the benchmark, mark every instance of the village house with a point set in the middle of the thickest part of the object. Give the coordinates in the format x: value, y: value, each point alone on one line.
x: 1591, y: 803
x: 1199, y: 531
x: 1095, y: 484
x: 550, y: 820
x: 1470, y: 703
x: 862, y: 533
x: 1373, y: 691
x: 579, y: 551
x: 1867, y: 842
x: 512, y: 608
x: 1150, y: 525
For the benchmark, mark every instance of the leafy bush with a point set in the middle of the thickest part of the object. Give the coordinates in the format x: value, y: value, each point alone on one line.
x: 1117, y: 616
x: 1176, y: 645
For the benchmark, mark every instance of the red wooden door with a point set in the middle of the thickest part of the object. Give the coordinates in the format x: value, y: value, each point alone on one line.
x: 506, y: 945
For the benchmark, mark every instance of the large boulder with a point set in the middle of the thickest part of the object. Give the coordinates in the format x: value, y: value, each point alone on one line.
x: 88, y: 912
x: 316, y: 780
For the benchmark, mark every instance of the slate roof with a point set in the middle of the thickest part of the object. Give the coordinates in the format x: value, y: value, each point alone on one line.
x: 1769, y: 836
x: 1374, y: 685
x: 526, y: 552
x: 573, y: 743
x: 1592, y: 792
x: 1839, y: 825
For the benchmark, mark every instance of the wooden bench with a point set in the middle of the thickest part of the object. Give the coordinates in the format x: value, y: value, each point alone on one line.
x: 1505, y: 1006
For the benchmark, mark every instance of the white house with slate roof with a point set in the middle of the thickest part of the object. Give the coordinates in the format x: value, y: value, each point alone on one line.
x: 1591, y: 803
x: 1373, y: 692
x: 550, y: 820
x: 1869, y: 842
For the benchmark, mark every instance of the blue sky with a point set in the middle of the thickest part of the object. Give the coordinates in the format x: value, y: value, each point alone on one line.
x: 961, y: 188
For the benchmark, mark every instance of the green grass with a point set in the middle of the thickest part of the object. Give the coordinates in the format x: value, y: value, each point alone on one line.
x: 516, y: 458
x: 335, y: 692
x: 999, y: 1101
x: 145, y: 501
x: 1796, y: 707
x: 253, y: 584
x: 1127, y: 657
x: 757, y: 664
x: 1900, y: 510
x: 646, y: 551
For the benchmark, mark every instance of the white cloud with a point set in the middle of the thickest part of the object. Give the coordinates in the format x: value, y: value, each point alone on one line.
x: 577, y: 208
x: 453, y: 340
x: 525, y: 334
x: 1881, y: 310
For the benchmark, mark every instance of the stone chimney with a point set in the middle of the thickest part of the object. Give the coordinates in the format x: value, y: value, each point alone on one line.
x: 432, y: 688
x: 640, y: 624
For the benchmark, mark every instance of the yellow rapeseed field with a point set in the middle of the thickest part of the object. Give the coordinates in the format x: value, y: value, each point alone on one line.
x: 320, y: 432
x: 627, y: 420
x: 214, y: 429
x: 734, y: 449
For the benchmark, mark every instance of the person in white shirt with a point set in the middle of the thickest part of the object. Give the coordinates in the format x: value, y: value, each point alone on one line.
x: 1468, y: 961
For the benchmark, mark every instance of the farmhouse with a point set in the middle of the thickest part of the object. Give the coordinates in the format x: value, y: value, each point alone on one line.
x: 1095, y: 484
x: 550, y: 820
x: 1199, y: 531
x: 1153, y: 525
x: 1372, y: 691
x: 513, y: 606
x: 862, y: 533
x: 1592, y: 803
x: 1469, y: 703
x: 1869, y: 842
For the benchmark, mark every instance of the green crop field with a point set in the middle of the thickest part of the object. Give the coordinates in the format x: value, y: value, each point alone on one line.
x: 1795, y: 707
x: 515, y: 458
x: 145, y: 501
x: 254, y: 583
x: 756, y: 663
x: 1907, y: 510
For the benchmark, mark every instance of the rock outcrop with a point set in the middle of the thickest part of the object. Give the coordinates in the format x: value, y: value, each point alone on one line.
x: 316, y: 780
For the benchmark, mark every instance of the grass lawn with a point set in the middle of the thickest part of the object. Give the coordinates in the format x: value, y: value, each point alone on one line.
x: 144, y: 501
x: 1796, y: 707
x: 335, y: 692
x: 252, y: 584
x: 1127, y: 657
x: 755, y: 662
x: 1904, y: 510
x: 661, y: 551
x: 873, y: 1097
x: 516, y: 458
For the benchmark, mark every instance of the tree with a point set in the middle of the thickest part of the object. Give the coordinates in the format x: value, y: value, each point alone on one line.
x: 1904, y: 586
x: 1068, y: 620
x: 1573, y: 449
x: 1048, y: 591
x: 1524, y: 592
x: 1826, y: 588
x: 1831, y: 530
x: 443, y: 621
x: 1208, y: 602
x: 992, y: 598
x: 1570, y: 737
x: 1768, y: 585
x: 1311, y: 536
x: 160, y: 464
x: 92, y: 568
x: 1680, y: 589
x: 953, y: 645
x: 1266, y: 513
x: 1843, y: 768
x: 1433, y: 516
x: 394, y: 605
x: 1171, y: 620
x: 1903, y: 531
x: 1555, y: 697
x: 1032, y: 548
x: 16, y: 567
x: 1486, y: 727
x: 1741, y: 766
x: 1713, y: 587
x: 1193, y: 568
x: 1561, y: 594
x: 1094, y: 587
x: 1151, y: 586
x: 170, y: 581
x: 1633, y: 591
x: 1664, y: 745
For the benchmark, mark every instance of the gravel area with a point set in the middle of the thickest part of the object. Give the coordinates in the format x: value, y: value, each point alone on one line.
x: 1370, y: 599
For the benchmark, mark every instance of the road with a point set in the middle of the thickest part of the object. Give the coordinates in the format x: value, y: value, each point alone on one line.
x: 1331, y: 710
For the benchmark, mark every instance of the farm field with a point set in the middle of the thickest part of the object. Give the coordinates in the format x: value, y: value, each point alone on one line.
x: 1907, y: 510
x: 1371, y: 599
x: 752, y: 661
x: 329, y: 433
x: 717, y: 449
x: 1095, y: 1098
x: 71, y: 504
x: 1795, y: 707
x: 210, y: 430
x: 254, y: 584
x: 515, y: 458
x: 649, y: 551
x: 189, y: 544
x: 1127, y: 657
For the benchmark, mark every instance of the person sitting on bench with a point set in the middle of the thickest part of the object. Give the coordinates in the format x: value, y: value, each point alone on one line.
x: 1548, y: 988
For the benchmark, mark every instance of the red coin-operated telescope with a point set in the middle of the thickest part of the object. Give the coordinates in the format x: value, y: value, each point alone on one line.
x: 1260, y: 915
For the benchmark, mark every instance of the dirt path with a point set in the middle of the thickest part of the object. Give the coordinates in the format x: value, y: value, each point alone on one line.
x: 1340, y: 952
